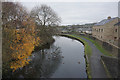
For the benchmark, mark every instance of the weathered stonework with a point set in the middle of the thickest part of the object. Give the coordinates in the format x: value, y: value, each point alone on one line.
x: 107, y: 31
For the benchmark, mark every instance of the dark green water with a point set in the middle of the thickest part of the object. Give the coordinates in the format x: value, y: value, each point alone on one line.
x: 64, y: 59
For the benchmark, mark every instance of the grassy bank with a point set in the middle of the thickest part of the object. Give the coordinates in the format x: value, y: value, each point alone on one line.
x: 88, y: 52
x: 105, y: 52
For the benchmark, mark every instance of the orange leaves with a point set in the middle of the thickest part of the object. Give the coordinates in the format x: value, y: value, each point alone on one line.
x: 37, y: 41
x: 11, y: 47
x: 21, y: 43
x: 17, y: 44
x: 19, y: 63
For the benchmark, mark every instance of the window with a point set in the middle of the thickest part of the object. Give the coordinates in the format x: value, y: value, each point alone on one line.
x: 101, y: 30
x: 115, y: 30
x: 115, y: 37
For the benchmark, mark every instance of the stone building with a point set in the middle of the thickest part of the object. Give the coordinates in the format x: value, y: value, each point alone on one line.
x: 86, y: 28
x: 107, y: 30
x: 117, y: 34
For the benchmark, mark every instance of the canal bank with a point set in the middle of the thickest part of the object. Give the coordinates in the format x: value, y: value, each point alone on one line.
x: 96, y: 67
x: 110, y: 55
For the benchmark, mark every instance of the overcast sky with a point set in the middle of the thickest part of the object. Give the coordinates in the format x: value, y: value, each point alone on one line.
x: 79, y: 12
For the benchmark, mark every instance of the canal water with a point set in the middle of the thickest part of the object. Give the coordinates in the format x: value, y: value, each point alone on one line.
x: 63, y: 59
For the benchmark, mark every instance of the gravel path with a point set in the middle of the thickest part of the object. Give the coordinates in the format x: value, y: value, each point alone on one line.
x: 97, y: 68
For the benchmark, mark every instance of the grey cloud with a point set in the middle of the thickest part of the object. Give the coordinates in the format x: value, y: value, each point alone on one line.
x: 81, y: 12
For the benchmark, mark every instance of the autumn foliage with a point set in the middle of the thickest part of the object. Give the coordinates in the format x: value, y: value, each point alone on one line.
x: 23, y: 44
x: 18, y: 35
x: 21, y: 33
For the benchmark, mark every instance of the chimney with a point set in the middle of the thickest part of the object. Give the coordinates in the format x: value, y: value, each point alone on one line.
x: 109, y: 17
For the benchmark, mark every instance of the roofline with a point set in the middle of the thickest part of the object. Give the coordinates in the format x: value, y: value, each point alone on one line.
x: 107, y: 22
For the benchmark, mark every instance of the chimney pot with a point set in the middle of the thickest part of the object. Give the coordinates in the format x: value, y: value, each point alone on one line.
x: 109, y: 17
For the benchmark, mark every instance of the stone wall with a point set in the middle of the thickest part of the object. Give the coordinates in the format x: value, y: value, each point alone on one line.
x: 111, y: 66
x: 111, y: 49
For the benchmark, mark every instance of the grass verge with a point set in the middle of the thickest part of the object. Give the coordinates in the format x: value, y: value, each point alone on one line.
x: 88, y: 52
x: 105, y: 52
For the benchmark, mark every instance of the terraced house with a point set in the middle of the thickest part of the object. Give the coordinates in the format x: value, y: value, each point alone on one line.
x: 108, y: 30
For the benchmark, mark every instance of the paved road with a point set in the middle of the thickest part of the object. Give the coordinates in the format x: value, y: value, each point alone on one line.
x: 97, y: 68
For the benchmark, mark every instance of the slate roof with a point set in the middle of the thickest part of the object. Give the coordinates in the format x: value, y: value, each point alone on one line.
x: 104, y: 21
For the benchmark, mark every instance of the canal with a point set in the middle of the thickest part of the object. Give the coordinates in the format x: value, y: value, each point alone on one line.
x: 63, y: 59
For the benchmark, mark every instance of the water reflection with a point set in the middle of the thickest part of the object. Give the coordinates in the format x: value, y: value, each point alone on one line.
x: 73, y: 62
x: 43, y: 64
x: 19, y: 63
x: 63, y: 59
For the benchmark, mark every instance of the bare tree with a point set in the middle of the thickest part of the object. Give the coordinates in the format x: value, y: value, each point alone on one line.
x: 13, y: 14
x: 45, y: 16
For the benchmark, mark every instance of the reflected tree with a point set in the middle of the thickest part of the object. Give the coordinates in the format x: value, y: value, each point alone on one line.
x: 42, y: 65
